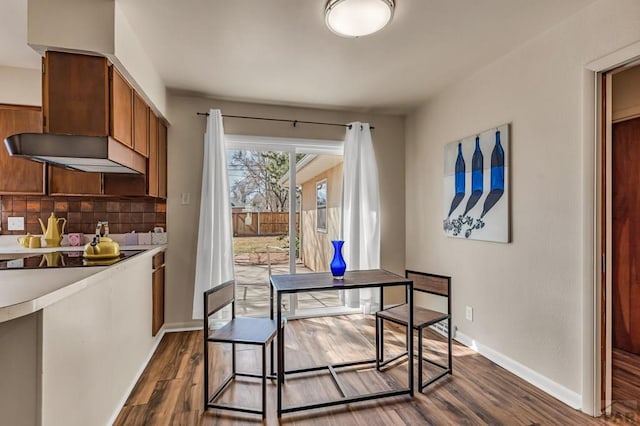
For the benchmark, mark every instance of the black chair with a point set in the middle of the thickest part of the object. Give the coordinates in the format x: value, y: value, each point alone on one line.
x: 247, y: 331
x: 422, y: 317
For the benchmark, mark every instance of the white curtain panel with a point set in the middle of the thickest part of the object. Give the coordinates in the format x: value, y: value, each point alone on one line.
x: 361, y: 212
x: 214, y: 258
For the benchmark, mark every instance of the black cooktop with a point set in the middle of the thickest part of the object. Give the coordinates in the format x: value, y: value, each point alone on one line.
x: 61, y: 259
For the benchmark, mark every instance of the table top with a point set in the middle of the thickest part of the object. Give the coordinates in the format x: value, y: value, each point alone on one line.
x: 292, y: 283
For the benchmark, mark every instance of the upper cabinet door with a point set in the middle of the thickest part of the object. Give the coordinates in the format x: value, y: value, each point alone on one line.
x: 162, y: 160
x: 75, y: 94
x: 19, y: 175
x: 140, y: 125
x: 152, y: 169
x: 121, y: 109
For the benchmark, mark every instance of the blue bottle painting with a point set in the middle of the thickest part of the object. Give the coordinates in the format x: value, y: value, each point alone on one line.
x: 460, y: 177
x: 482, y: 189
x: 477, y: 177
x: 497, y: 176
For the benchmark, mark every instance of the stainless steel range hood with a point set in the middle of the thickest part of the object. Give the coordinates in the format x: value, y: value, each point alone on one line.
x: 87, y: 153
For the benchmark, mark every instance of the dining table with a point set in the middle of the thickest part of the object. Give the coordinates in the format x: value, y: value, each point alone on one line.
x: 324, y: 281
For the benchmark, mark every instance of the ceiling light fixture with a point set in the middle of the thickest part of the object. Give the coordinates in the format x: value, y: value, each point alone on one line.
x: 356, y: 18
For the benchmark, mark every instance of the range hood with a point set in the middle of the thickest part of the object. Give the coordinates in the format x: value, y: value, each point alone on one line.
x: 101, y: 154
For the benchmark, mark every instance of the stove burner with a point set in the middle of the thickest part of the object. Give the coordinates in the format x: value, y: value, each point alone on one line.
x: 61, y: 259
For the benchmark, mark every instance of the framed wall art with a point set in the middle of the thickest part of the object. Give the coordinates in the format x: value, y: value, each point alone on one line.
x: 476, y: 186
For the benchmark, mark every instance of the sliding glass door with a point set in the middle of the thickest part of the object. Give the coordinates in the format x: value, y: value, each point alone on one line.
x: 285, y: 197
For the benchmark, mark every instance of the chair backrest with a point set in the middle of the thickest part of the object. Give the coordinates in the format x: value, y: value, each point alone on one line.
x: 430, y: 283
x: 219, y: 297
x: 439, y: 285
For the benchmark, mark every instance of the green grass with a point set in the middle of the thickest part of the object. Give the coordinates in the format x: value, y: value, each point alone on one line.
x: 257, y: 244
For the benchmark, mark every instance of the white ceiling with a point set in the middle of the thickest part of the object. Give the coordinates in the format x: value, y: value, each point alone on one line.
x: 279, y: 51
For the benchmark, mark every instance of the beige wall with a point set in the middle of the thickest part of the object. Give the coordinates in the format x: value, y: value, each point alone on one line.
x: 185, y: 172
x: 316, y: 247
x: 20, y: 86
x: 527, y: 295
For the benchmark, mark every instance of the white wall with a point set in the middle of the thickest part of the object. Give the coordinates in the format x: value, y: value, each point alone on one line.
x: 132, y: 59
x: 185, y: 151
x: 96, y: 26
x: 20, y: 86
x: 94, y: 345
x: 527, y: 295
x: 71, y: 24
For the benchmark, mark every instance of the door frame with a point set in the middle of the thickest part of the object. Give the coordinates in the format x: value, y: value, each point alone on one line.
x: 596, y: 386
x: 292, y: 146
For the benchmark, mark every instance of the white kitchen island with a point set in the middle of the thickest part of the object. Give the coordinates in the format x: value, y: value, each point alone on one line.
x: 73, y: 340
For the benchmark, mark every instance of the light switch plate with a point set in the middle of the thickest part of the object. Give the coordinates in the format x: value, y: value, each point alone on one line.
x: 15, y: 223
x: 185, y: 198
x: 469, y: 313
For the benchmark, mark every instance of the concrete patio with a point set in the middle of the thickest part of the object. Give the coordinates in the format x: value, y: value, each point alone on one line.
x: 252, y: 285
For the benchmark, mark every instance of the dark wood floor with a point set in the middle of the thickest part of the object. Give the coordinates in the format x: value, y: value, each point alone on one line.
x: 479, y: 392
x: 625, y: 380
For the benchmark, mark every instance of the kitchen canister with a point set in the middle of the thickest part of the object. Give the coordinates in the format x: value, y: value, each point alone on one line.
x: 144, y: 238
x: 158, y: 236
x: 131, y: 239
x: 75, y: 239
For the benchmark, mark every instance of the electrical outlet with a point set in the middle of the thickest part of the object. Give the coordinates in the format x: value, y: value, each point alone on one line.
x: 15, y: 224
x: 469, y: 313
x: 185, y: 198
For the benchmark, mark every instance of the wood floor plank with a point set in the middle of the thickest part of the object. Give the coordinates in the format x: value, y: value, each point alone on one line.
x: 170, y: 391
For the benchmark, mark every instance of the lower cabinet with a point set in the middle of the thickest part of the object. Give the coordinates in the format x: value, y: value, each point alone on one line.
x: 158, y: 293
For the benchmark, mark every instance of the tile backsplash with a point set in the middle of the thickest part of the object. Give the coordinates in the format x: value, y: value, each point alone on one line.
x: 82, y: 213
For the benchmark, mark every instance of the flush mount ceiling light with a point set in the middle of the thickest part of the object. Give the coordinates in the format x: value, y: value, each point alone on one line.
x: 356, y: 18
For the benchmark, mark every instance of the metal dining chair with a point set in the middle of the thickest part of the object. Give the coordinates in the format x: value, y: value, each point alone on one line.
x: 422, y: 317
x: 238, y: 330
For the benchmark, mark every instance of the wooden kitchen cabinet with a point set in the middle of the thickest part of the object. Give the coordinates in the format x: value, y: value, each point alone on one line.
x: 75, y: 94
x: 121, y: 117
x: 157, y: 291
x: 157, y: 164
x: 140, y: 125
x: 162, y: 160
x: 152, y: 164
x: 84, y: 95
x: 19, y: 175
x: 72, y: 182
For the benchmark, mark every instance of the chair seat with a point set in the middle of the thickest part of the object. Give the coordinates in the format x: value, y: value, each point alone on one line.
x: 255, y: 331
x: 422, y: 317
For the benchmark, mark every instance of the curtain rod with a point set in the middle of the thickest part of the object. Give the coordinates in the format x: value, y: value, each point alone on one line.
x: 282, y: 120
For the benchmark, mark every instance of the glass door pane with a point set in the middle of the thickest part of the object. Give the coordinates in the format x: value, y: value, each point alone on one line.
x: 260, y: 219
x: 273, y: 235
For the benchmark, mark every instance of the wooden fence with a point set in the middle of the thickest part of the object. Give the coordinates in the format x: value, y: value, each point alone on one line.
x: 256, y: 224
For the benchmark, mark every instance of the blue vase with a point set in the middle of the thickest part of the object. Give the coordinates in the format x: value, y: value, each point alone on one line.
x: 338, y: 265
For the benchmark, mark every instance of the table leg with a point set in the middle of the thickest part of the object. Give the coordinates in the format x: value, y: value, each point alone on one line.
x: 271, y: 317
x: 410, y: 335
x: 280, y: 372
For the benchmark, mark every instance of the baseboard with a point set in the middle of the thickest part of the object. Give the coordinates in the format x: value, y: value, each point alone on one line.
x: 567, y: 396
x: 184, y: 325
x: 120, y: 405
x: 178, y: 329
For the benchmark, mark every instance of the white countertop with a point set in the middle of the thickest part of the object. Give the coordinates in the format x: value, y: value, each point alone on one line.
x: 26, y: 291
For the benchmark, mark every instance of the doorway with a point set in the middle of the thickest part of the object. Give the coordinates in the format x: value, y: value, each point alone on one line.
x: 279, y: 226
x: 620, y: 316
